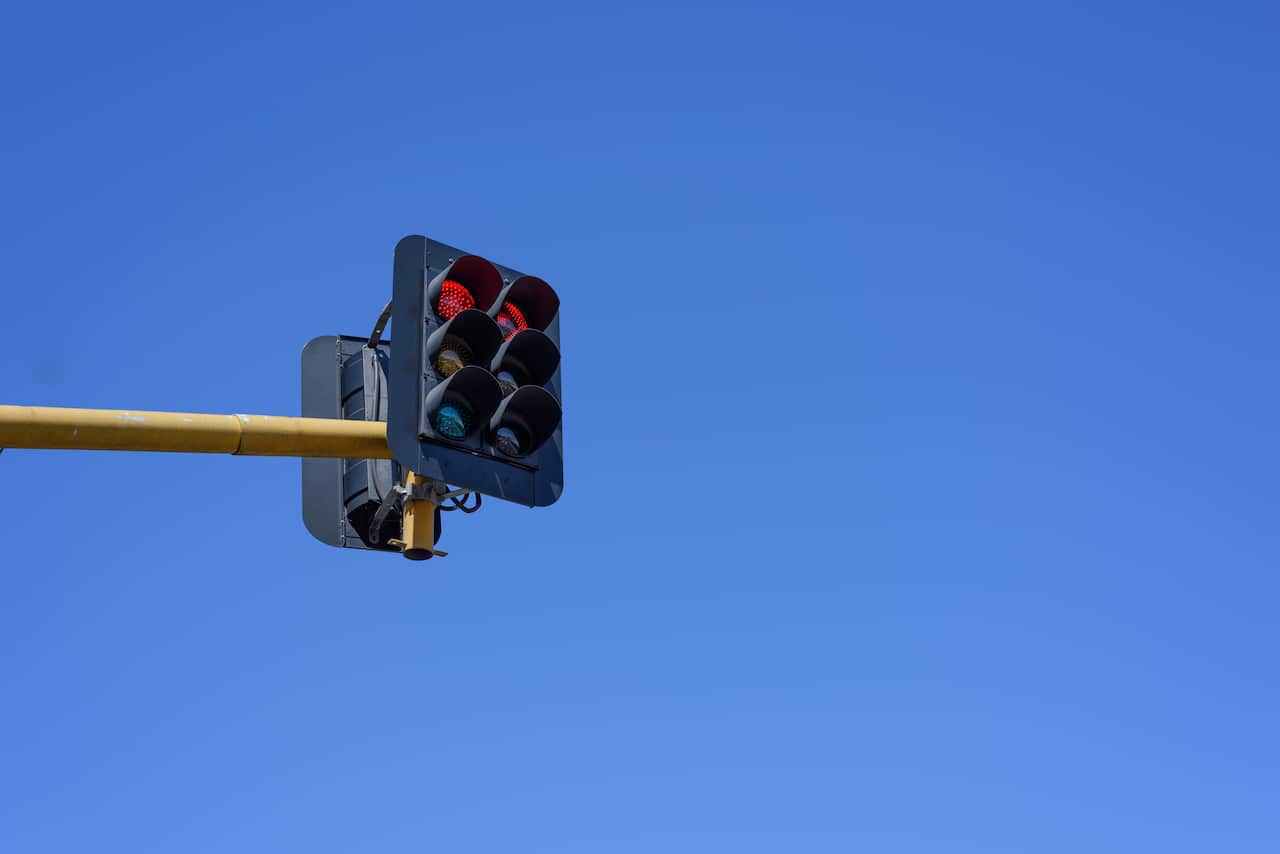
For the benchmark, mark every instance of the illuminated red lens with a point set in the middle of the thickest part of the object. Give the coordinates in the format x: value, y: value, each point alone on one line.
x: 511, y: 320
x: 454, y: 299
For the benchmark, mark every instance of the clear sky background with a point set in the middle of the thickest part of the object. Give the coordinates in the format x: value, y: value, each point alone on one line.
x: 920, y: 384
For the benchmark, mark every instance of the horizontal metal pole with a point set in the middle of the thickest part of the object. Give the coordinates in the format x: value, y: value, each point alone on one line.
x: 248, y: 435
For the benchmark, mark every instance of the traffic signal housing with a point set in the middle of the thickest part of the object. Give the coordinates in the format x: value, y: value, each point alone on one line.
x: 343, y: 499
x: 474, y: 375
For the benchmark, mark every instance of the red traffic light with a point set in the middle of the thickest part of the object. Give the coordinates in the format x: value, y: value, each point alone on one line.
x: 454, y: 298
x: 511, y: 320
x: 467, y: 283
x: 528, y: 303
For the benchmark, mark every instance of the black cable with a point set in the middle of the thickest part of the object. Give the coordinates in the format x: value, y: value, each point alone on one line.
x: 460, y: 504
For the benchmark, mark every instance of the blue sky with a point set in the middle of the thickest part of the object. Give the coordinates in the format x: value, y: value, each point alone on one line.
x: 920, y: 417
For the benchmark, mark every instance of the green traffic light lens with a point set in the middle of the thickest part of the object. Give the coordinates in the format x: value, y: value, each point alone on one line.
x: 452, y: 420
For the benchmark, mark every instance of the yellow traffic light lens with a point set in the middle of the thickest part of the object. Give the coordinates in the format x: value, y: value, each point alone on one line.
x: 453, y: 356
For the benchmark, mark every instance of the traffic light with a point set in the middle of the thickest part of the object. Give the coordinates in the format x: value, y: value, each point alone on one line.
x: 474, y: 375
x: 350, y: 503
x: 465, y: 402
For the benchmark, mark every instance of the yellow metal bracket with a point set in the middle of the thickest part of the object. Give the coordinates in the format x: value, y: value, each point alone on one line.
x: 419, y: 519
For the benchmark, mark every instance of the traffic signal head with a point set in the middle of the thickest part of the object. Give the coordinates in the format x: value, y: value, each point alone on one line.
x: 474, y: 375
x: 342, y: 499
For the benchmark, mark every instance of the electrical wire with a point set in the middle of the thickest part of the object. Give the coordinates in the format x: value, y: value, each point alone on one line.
x: 458, y: 502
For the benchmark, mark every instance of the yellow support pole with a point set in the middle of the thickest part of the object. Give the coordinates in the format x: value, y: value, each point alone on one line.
x: 248, y: 435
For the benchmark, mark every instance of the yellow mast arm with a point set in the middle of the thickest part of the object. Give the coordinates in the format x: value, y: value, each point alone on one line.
x: 248, y: 435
